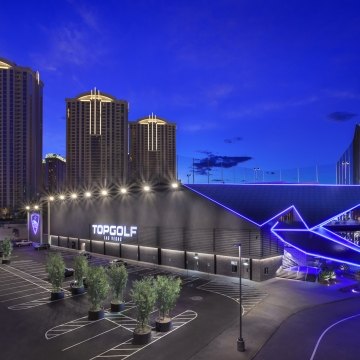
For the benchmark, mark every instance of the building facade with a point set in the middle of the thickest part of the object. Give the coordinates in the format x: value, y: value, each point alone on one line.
x: 152, y: 149
x: 21, y: 127
x: 199, y: 227
x: 348, y: 166
x: 54, y: 173
x: 96, y: 140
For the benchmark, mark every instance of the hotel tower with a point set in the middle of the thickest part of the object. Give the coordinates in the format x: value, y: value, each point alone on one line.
x: 96, y: 140
x: 21, y: 122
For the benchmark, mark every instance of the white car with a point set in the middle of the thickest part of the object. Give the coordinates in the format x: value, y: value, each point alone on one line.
x: 21, y: 243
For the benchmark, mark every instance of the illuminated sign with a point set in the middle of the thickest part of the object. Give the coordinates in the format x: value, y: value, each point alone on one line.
x: 114, y: 232
x: 35, y: 222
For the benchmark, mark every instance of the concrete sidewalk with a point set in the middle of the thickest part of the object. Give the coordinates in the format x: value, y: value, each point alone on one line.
x: 286, y: 297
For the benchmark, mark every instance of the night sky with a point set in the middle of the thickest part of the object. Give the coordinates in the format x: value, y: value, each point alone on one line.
x: 273, y: 83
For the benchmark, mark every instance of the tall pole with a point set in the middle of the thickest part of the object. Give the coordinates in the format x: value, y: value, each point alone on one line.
x: 48, y: 221
x: 240, y: 340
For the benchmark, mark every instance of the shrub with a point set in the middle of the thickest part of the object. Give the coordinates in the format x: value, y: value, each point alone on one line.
x: 143, y: 294
x: 98, y: 287
x: 118, y: 277
x: 80, y: 268
x: 7, y: 248
x: 55, y: 267
x: 167, y: 293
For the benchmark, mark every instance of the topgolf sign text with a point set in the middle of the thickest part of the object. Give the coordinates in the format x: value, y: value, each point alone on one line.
x: 114, y: 232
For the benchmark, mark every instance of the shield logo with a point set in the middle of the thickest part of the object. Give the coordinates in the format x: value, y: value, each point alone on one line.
x: 35, y: 221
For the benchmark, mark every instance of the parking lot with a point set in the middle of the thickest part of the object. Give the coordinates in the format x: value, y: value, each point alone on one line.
x: 62, y: 329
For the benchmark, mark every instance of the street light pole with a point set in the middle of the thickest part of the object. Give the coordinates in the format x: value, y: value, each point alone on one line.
x: 240, y: 340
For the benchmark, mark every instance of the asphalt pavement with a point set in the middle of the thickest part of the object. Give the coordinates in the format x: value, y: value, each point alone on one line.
x: 281, y: 317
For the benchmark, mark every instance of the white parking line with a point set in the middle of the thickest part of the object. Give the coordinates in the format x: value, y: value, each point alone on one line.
x: 16, y: 292
x: 326, y: 330
x: 19, y: 297
x: 130, y: 349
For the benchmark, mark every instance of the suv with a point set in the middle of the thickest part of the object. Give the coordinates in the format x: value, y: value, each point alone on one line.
x: 41, y: 246
x: 21, y: 243
x: 68, y: 272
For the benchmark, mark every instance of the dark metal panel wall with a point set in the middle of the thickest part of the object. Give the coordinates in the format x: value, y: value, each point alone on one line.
x: 112, y: 249
x: 171, y: 238
x: 271, y: 245
x: 199, y: 240
x: 148, y: 236
x: 129, y: 252
x: 172, y: 258
x: 149, y: 255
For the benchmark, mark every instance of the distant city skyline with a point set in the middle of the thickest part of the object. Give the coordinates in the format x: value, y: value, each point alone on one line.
x: 261, y: 84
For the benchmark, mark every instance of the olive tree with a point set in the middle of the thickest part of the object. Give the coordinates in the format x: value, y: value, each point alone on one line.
x: 118, y: 277
x: 7, y: 248
x: 143, y: 294
x: 167, y: 293
x: 80, y: 267
x: 55, y: 268
x: 98, y: 287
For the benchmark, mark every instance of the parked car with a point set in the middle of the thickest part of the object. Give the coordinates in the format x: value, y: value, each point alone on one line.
x: 20, y: 243
x: 41, y: 246
x: 69, y: 272
x: 74, y: 283
x: 86, y: 254
x: 117, y: 262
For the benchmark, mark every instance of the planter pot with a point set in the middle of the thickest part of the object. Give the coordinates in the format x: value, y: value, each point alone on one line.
x: 163, y: 326
x: 115, y: 307
x: 6, y: 261
x: 141, y: 338
x: 77, y: 290
x: 96, y: 314
x: 57, y: 295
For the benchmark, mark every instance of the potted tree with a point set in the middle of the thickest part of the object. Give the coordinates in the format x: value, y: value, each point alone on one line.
x: 6, y: 251
x: 118, y: 277
x: 80, y: 271
x: 98, y: 288
x: 143, y: 294
x: 167, y: 293
x: 55, y: 268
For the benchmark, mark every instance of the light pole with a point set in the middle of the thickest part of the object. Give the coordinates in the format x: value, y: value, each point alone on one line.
x: 256, y: 169
x: 240, y: 340
x: 49, y: 199
x: 345, y: 164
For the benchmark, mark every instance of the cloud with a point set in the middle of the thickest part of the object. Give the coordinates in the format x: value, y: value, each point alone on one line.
x: 232, y: 140
x: 75, y: 42
x: 341, y: 116
x: 204, y: 165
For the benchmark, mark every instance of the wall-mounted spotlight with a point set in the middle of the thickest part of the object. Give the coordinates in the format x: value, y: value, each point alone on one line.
x: 196, y: 256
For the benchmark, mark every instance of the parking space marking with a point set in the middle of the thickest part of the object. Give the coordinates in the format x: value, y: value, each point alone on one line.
x: 250, y: 296
x: 127, y: 349
x: 77, y: 324
x: 20, y: 297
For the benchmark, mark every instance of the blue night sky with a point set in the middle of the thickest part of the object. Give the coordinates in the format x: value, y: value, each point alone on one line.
x: 276, y: 81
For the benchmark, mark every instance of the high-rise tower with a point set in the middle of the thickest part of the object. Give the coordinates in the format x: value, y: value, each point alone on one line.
x: 96, y: 140
x: 54, y: 173
x: 21, y: 121
x: 152, y: 149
